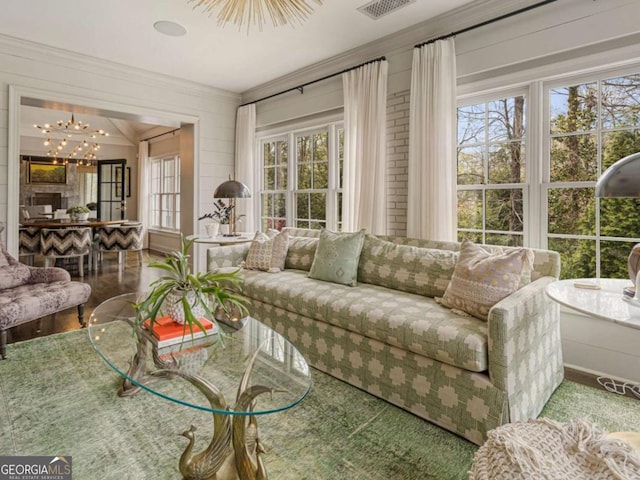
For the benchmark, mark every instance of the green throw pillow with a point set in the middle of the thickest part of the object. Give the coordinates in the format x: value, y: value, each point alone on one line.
x: 337, y: 256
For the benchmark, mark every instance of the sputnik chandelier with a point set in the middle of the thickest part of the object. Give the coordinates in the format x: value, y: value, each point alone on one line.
x: 253, y: 11
x: 76, y: 135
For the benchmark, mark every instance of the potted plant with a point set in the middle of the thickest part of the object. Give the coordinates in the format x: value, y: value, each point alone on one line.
x: 222, y: 215
x: 78, y: 213
x: 185, y: 296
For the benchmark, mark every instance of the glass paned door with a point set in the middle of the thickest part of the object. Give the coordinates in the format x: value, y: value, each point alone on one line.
x: 111, y: 194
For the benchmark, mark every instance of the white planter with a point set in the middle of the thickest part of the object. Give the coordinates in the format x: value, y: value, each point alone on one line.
x: 224, y: 229
x: 212, y: 229
x: 173, y: 306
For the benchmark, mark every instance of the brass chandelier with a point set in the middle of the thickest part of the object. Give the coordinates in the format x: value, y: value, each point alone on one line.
x: 74, y: 134
x: 253, y: 12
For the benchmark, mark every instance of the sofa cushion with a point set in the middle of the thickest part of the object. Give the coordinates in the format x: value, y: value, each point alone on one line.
x: 337, y: 256
x: 301, y: 252
x: 424, y: 271
x: 482, y: 278
x: 267, y: 253
x: 407, y: 321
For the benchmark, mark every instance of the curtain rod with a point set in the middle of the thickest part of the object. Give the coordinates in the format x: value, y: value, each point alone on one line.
x: 160, y: 135
x: 300, y: 88
x: 486, y: 22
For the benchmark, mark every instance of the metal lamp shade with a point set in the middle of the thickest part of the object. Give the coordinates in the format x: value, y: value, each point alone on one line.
x: 232, y: 189
x: 622, y: 179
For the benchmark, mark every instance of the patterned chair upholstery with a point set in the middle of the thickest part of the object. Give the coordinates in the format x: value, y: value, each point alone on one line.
x: 29, y: 243
x: 67, y: 243
x: 30, y: 293
x: 119, y: 238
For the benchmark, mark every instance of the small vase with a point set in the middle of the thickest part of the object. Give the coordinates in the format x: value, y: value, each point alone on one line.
x: 212, y: 229
x: 173, y: 306
x: 224, y: 229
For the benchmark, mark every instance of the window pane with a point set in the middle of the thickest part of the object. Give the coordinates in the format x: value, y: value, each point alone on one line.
x: 279, y: 205
x: 614, y: 257
x: 470, y: 166
x: 320, y: 175
x: 340, y: 156
x: 571, y: 211
x: 264, y: 204
x: 506, y: 163
x: 304, y: 176
x: 269, y: 178
x: 574, y: 108
x: 302, y: 205
x: 304, y: 149
x: 577, y: 257
x: 470, y: 209
x: 471, y: 128
x: 504, y: 210
x: 621, y: 102
x: 620, y: 217
x: 318, y: 204
x: 574, y: 158
x: 506, y: 119
x: 475, y: 237
x: 302, y: 223
x: 504, y: 239
x: 617, y: 145
x: 269, y: 154
x: 320, y: 145
x: 281, y: 179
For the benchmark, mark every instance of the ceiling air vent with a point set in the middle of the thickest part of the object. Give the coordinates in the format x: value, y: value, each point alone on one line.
x: 380, y: 8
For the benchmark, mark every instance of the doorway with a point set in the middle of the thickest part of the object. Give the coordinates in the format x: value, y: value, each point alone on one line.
x: 111, y: 189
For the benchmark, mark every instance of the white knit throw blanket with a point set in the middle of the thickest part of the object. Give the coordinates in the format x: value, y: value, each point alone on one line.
x: 546, y: 450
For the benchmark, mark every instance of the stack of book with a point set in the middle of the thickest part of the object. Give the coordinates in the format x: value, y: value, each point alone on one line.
x: 628, y: 292
x: 166, y: 332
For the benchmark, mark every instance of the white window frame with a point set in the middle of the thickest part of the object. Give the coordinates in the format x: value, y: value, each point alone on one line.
x: 290, y: 133
x: 537, y: 83
x: 175, y: 213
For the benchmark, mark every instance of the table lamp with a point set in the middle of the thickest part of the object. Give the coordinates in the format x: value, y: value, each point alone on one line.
x: 622, y: 180
x: 232, y: 189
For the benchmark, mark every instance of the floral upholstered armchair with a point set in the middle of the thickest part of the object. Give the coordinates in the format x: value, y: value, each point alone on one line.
x: 29, y: 293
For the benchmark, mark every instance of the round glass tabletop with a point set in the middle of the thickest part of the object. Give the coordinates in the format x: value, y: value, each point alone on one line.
x: 251, y: 370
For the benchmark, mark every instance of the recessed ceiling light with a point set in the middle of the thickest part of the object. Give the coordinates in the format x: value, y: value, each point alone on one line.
x: 170, y: 28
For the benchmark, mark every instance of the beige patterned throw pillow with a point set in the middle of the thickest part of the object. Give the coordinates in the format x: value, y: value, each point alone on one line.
x: 482, y: 278
x: 266, y: 253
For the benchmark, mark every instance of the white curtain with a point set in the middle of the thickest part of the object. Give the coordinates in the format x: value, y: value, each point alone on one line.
x: 246, y: 170
x: 431, y: 191
x: 144, y: 173
x: 364, y: 198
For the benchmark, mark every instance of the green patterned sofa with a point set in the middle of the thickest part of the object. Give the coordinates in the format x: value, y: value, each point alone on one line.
x: 461, y: 373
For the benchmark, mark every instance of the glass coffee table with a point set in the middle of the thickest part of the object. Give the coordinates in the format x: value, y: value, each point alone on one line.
x: 249, y: 370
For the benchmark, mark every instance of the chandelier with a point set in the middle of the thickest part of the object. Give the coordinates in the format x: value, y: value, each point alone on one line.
x: 253, y: 11
x: 74, y: 135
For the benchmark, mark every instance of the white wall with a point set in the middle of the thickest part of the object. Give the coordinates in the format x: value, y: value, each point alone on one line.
x: 579, y: 34
x: 40, y: 72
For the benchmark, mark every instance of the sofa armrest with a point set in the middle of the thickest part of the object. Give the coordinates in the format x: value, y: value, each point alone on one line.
x: 525, y: 351
x: 226, y: 256
x: 48, y: 275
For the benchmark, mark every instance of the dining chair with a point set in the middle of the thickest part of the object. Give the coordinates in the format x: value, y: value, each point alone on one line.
x: 119, y: 239
x: 29, y: 244
x: 75, y: 242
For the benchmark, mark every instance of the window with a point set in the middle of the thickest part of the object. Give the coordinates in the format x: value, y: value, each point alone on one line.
x: 491, y: 171
x: 302, y: 186
x: 591, y: 125
x: 547, y: 200
x: 165, y: 193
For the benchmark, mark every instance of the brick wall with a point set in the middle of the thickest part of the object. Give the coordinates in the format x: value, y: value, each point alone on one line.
x: 397, y: 162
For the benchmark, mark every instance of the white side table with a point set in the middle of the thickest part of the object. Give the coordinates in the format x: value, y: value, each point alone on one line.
x: 606, y: 303
x: 202, y: 242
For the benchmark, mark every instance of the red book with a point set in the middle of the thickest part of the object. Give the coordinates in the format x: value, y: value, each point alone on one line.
x: 164, y: 328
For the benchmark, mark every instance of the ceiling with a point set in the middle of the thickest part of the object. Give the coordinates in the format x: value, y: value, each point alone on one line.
x: 225, y: 57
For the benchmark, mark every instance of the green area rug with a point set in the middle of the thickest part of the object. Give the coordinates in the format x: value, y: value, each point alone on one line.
x: 57, y: 397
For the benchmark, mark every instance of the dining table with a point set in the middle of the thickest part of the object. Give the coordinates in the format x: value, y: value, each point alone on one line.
x: 92, y: 222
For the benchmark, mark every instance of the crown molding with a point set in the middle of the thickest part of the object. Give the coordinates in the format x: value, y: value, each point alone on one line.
x: 46, y: 54
x: 406, y: 39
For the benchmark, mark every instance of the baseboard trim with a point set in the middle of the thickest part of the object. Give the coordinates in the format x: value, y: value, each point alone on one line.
x: 591, y: 380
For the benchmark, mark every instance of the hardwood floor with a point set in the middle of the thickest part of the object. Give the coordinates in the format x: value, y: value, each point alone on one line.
x: 111, y: 280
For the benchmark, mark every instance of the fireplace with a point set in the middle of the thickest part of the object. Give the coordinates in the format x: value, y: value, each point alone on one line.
x: 48, y: 198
